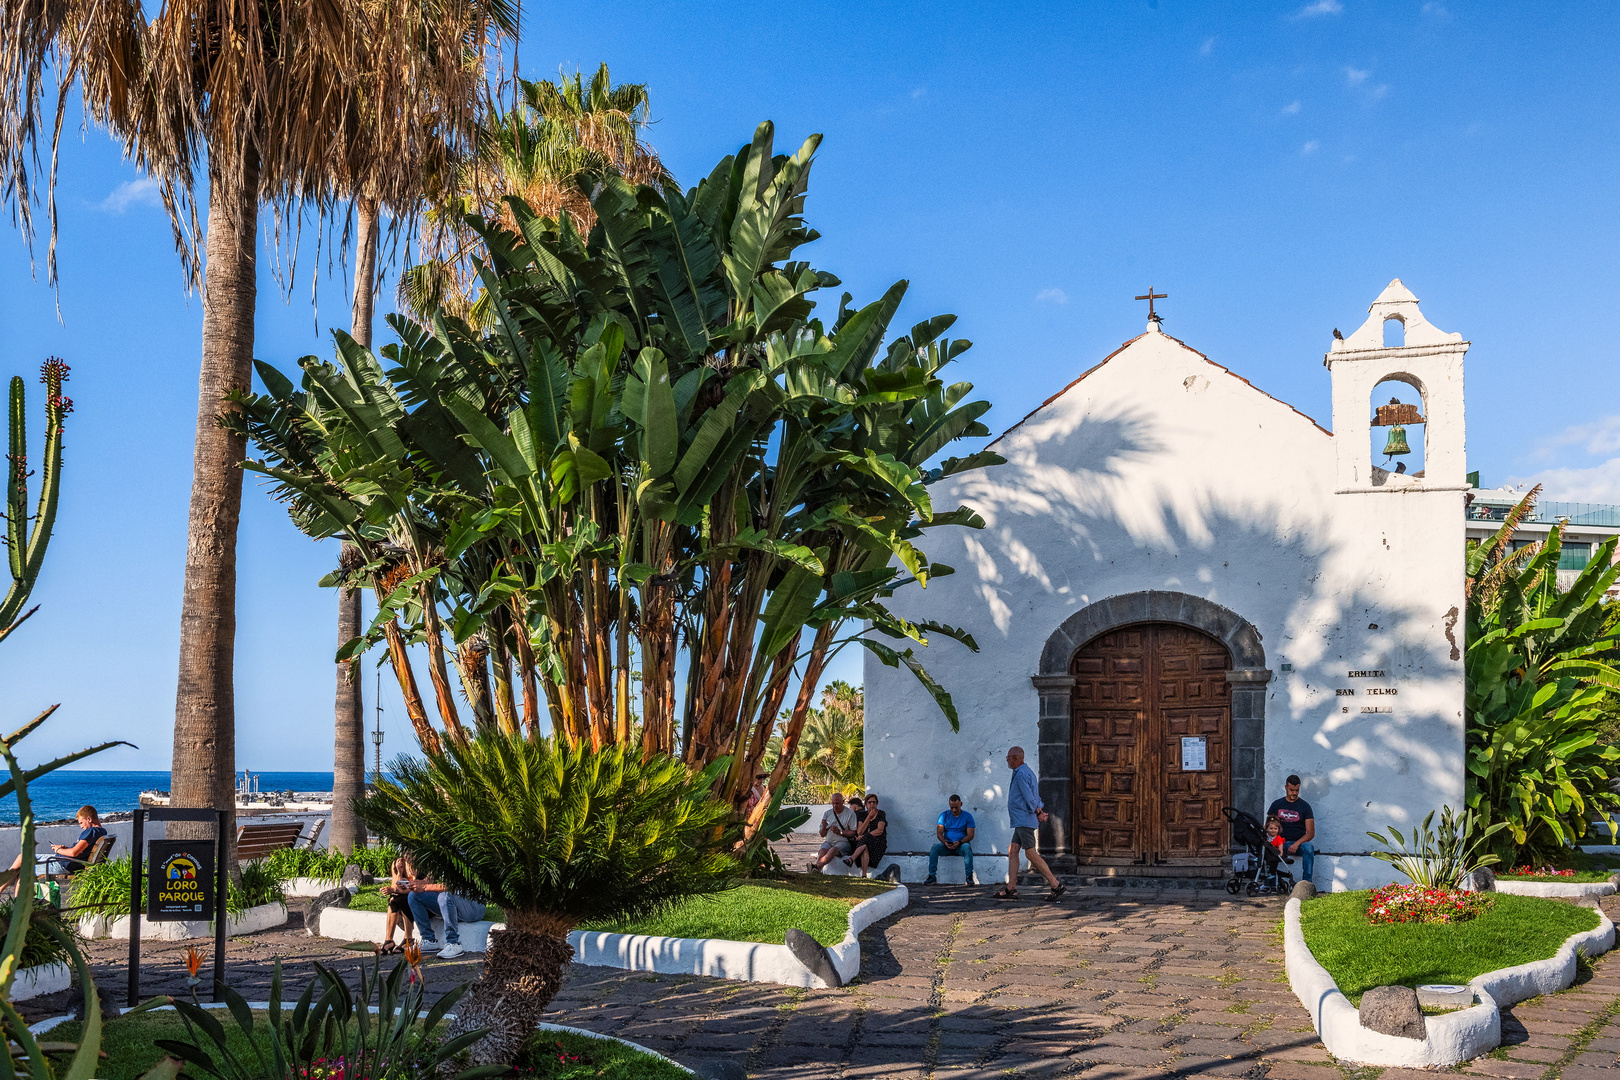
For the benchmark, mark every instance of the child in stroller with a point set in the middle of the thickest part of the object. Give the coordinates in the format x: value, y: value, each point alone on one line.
x: 1259, y: 868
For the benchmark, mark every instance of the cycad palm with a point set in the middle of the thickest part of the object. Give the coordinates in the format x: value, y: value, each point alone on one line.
x: 557, y: 836
x: 547, y: 150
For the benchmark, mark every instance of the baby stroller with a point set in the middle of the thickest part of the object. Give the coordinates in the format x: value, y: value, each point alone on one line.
x: 1259, y: 867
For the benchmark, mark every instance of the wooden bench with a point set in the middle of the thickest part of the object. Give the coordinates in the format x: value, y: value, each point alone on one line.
x: 258, y: 841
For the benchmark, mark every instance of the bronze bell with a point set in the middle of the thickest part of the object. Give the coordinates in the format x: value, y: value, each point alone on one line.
x: 1396, y: 444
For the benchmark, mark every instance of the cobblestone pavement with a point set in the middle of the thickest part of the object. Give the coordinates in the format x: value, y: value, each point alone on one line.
x: 1106, y: 985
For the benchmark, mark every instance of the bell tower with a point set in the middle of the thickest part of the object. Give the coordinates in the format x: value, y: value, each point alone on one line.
x: 1428, y: 360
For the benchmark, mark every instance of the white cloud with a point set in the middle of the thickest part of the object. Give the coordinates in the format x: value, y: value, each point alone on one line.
x: 1598, y: 484
x: 1356, y: 76
x: 1310, y: 148
x: 1599, y: 437
x: 1291, y: 109
x: 1378, y: 91
x: 142, y: 192
x: 919, y: 92
x: 1207, y: 47
x: 1436, y: 11
x: 1054, y: 295
x: 1319, y: 7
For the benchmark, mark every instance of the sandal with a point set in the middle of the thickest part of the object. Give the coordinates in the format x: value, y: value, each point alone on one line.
x: 1004, y: 894
x: 849, y: 862
x: 1051, y: 897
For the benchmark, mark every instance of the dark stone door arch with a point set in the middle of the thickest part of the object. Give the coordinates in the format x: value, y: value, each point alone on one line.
x: 1246, y: 677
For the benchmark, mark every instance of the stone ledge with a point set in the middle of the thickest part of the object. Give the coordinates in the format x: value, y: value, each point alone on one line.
x: 1453, y: 1037
x: 33, y: 982
x: 1554, y: 888
x: 746, y: 961
x: 251, y: 921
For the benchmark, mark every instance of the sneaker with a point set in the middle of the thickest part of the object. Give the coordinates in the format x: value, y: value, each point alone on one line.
x: 813, y: 868
x: 429, y: 944
x: 451, y: 951
x: 929, y: 880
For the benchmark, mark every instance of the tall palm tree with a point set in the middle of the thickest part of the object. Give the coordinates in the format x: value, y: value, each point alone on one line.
x: 556, y: 140
x: 212, y: 84
x: 442, y: 71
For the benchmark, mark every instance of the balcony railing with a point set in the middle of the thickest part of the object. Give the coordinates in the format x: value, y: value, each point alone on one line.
x: 1550, y: 513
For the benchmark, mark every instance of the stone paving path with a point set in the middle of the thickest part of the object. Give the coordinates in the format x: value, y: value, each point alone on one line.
x: 1107, y: 985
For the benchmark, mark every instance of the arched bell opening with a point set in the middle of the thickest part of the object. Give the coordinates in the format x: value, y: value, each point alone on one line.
x: 1399, y: 429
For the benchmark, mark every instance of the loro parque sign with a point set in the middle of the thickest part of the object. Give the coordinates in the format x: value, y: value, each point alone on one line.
x: 180, y: 880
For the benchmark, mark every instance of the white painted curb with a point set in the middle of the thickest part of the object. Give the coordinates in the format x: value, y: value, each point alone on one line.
x: 1452, y: 1037
x: 251, y: 921
x: 42, y: 979
x: 1554, y: 888
x: 45, y: 1025
x: 746, y: 961
x: 347, y: 924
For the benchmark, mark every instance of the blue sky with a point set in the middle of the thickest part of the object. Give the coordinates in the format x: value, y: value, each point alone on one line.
x: 1031, y: 169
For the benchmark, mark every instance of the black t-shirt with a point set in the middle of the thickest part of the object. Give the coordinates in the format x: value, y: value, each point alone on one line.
x: 1292, y: 816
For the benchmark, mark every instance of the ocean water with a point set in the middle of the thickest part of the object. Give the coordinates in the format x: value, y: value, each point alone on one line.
x: 59, y: 795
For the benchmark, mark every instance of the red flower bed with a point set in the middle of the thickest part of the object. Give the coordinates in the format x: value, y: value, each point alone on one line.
x: 1415, y: 904
x: 1542, y: 871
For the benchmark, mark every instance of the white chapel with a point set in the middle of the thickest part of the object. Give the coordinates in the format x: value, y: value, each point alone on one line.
x: 1187, y: 590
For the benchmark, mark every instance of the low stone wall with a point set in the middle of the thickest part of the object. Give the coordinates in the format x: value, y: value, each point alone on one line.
x: 251, y: 921
x: 1564, y: 889
x: 347, y: 924
x: 1451, y: 1037
x: 746, y: 961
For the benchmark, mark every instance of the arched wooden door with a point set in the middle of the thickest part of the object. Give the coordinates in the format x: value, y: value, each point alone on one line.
x: 1152, y: 746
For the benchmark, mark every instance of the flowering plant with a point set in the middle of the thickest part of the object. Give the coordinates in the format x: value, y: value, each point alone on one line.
x: 1417, y: 904
x: 1538, y: 871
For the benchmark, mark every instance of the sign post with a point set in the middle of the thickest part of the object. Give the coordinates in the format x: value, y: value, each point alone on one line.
x: 185, y: 880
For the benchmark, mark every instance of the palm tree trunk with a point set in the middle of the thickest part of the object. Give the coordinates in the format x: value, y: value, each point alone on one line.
x: 204, y: 762
x: 523, y: 970
x: 349, y: 725
x: 349, y: 707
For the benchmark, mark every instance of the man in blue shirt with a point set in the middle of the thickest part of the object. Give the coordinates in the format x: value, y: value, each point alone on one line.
x: 1026, y: 811
x: 955, y: 832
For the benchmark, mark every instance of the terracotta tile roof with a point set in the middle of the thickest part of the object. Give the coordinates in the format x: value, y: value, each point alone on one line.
x: 1127, y: 345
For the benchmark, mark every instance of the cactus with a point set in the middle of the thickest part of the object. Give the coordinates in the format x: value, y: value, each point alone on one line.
x: 27, y: 538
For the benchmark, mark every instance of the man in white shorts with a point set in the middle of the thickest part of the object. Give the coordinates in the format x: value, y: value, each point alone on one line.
x: 837, y: 830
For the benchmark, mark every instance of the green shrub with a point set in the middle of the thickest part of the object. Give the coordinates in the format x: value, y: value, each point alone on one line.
x: 102, y: 888
x: 39, y: 947
x: 259, y: 886
x: 289, y: 863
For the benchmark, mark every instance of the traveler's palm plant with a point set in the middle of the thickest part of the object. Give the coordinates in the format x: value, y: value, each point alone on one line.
x: 1540, y: 677
x: 655, y: 459
x: 556, y: 835
x: 1439, y: 859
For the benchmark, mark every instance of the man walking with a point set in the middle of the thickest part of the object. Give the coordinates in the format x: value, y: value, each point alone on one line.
x: 1298, y: 826
x: 1026, y: 812
x: 955, y: 831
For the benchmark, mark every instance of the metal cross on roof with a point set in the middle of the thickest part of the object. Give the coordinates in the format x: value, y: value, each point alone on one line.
x: 1150, y: 297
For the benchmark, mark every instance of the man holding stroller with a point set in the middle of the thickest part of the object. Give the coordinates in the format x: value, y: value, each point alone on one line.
x: 1298, y: 824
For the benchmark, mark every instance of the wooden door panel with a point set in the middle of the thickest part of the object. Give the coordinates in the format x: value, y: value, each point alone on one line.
x: 1138, y: 692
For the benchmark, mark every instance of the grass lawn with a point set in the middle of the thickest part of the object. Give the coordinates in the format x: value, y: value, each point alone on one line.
x: 1360, y: 955
x: 127, y: 1044
x: 763, y: 911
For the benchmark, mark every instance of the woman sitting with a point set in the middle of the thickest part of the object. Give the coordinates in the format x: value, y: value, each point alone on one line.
x: 871, y: 838
x: 398, y: 891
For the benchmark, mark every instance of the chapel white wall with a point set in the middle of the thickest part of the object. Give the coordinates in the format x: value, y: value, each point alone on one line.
x: 1163, y: 471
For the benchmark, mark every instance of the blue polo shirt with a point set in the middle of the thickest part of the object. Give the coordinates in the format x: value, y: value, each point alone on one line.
x: 956, y: 825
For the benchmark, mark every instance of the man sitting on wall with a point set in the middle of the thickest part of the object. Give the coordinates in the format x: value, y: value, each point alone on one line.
x: 837, y: 830
x: 1298, y: 826
x: 955, y: 832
